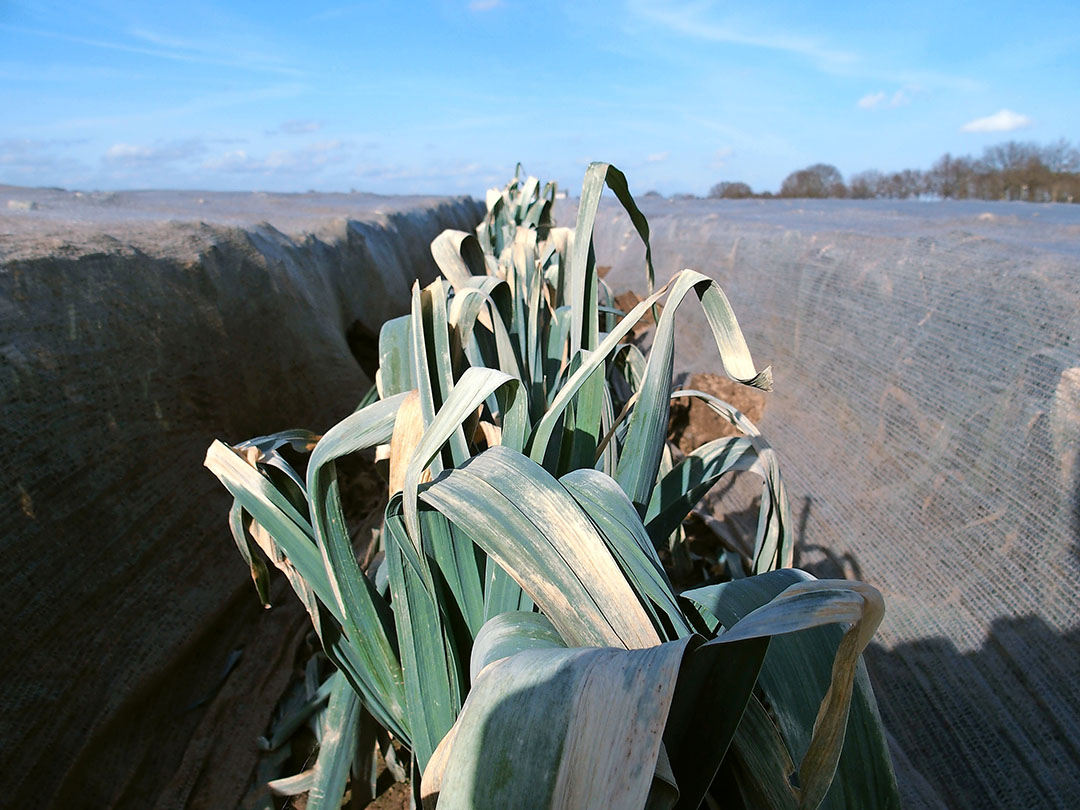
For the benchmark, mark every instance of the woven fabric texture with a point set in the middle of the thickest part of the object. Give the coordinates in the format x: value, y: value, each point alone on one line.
x: 126, y: 345
x: 927, y: 418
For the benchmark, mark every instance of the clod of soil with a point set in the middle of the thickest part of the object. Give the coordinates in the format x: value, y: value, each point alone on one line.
x: 692, y: 422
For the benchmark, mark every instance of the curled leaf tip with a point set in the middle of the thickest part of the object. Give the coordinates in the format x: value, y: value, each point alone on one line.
x: 763, y: 380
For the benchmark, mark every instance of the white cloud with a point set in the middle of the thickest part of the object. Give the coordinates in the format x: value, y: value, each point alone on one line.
x: 871, y: 100
x: 1001, y: 121
x: 137, y: 156
x: 881, y: 99
x: 899, y: 98
x: 657, y: 157
x: 484, y: 5
x: 721, y: 155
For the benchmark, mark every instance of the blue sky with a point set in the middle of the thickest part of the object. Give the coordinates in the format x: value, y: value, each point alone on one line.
x: 445, y: 96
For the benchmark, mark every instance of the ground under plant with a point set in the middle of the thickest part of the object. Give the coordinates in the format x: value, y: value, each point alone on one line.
x: 517, y: 633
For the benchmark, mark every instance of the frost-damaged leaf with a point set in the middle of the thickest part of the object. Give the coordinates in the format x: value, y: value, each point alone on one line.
x: 431, y: 360
x: 246, y: 546
x: 621, y: 528
x: 644, y: 443
x: 528, y: 522
x: 395, y: 375
x: 365, y: 616
x: 485, y: 300
x: 475, y: 386
x: 801, y: 666
x: 296, y: 550
x: 458, y: 256
x: 585, y: 332
x: 272, y: 510
x: 538, y: 728
x: 774, y: 545
x: 434, y: 677
x: 337, y: 749
x: 510, y: 633
x: 408, y: 429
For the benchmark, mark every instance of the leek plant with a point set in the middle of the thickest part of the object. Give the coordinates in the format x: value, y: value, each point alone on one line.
x: 518, y: 632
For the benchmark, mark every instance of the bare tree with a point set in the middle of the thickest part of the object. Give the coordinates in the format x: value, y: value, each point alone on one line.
x: 942, y: 179
x: 819, y: 180
x: 866, y: 185
x: 730, y: 191
x: 1014, y: 170
x: 1060, y: 156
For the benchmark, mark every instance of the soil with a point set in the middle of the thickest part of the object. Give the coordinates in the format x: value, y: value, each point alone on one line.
x: 395, y: 798
x: 692, y: 422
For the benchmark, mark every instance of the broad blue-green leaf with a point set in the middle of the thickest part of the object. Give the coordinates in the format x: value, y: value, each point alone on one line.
x: 395, y: 374
x: 538, y: 727
x: 640, y: 457
x: 774, y: 544
x: 542, y: 433
x: 582, y: 429
x: 432, y: 663
x: 365, y: 616
x: 621, y: 528
x: 827, y: 661
x: 583, y: 301
x: 678, y: 491
x: 528, y: 522
x: 337, y: 749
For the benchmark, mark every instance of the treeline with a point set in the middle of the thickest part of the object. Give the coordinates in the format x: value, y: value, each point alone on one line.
x: 1009, y: 171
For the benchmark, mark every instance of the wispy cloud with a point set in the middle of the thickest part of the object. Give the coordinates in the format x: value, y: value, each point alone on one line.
x: 61, y: 73
x: 657, y: 157
x: 872, y: 100
x: 1001, y: 121
x: 309, y: 159
x: 36, y: 162
x: 243, y: 61
x: 141, y: 156
x: 484, y: 5
x: 694, y: 21
x: 881, y: 99
x: 425, y: 172
x: 296, y: 127
x: 720, y: 157
x: 335, y: 12
x: 703, y: 21
x: 199, y: 104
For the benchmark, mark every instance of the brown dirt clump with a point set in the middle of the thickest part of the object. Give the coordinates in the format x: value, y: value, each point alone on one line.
x: 692, y: 422
x: 627, y: 301
x: 395, y: 798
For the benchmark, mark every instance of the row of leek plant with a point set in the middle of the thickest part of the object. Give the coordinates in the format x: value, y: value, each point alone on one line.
x: 519, y: 633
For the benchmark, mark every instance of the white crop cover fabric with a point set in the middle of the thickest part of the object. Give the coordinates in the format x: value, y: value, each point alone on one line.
x: 926, y: 415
